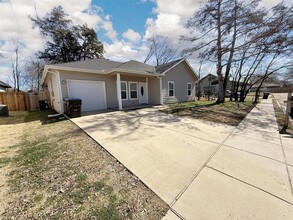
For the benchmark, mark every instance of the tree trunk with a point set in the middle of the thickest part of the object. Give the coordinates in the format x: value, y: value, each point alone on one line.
x: 221, y: 94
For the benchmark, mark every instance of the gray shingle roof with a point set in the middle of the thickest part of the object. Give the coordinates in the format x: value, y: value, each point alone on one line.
x: 4, y: 85
x: 94, y: 64
x: 137, y: 66
x: 211, y: 75
x: 106, y: 65
x: 162, y: 68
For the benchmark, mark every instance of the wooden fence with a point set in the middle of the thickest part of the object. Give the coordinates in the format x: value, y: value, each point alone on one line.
x: 21, y: 101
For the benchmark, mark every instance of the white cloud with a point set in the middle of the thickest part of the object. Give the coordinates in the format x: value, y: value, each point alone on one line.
x: 4, y: 74
x: 131, y: 35
x: 123, y: 51
x: 20, y: 26
x: 182, y: 8
x: 110, y: 32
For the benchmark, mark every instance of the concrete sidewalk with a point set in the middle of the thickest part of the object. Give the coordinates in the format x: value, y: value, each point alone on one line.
x: 249, y: 177
x: 203, y: 170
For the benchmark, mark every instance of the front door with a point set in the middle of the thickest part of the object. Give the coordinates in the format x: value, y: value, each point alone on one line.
x: 142, y: 91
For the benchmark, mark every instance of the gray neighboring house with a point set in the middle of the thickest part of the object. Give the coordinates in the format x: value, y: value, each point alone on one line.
x: 265, y: 86
x: 105, y: 84
x: 4, y: 86
x: 207, y: 85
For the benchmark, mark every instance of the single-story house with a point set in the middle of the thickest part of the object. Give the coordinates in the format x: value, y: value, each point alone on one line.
x: 209, y: 85
x: 265, y: 86
x: 105, y: 84
x: 4, y: 86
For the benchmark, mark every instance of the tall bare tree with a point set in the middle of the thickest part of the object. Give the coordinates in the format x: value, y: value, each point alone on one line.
x: 216, y: 30
x: 16, y: 65
x: 161, y: 50
x: 33, y: 69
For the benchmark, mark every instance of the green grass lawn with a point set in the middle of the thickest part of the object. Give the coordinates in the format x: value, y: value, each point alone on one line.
x: 231, y: 113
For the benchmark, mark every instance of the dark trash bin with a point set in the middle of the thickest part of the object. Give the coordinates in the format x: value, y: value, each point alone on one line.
x: 266, y: 95
x: 43, y: 105
x: 4, y: 111
x: 72, y: 107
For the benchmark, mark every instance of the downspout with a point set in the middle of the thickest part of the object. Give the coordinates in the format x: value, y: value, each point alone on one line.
x: 60, y: 91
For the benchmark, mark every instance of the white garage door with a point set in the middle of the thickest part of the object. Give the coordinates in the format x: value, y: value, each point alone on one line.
x: 92, y: 94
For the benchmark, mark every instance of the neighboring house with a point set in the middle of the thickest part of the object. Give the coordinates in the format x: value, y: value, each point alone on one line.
x: 105, y: 84
x: 4, y: 87
x: 265, y: 86
x: 207, y: 85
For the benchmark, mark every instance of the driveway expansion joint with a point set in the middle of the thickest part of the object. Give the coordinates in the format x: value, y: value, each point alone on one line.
x: 249, y: 184
x: 249, y: 152
x: 201, y: 168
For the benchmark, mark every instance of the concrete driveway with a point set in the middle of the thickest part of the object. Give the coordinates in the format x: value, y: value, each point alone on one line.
x: 203, y: 170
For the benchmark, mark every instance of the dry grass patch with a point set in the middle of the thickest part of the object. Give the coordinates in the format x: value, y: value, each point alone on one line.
x: 280, y: 116
x: 231, y: 113
x: 61, y: 173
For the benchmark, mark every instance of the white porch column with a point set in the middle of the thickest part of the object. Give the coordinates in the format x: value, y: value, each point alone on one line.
x: 118, y: 86
x: 161, y: 91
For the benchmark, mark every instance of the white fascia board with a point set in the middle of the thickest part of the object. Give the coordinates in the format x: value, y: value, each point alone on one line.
x: 191, y: 68
x: 44, y: 75
x: 133, y: 72
x: 52, y: 67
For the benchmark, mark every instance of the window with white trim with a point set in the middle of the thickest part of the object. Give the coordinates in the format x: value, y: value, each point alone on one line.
x: 171, y: 89
x: 189, y: 88
x: 124, y: 90
x: 133, y: 90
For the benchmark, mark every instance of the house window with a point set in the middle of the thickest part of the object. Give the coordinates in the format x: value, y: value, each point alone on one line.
x: 189, y: 87
x: 133, y: 90
x: 171, y: 88
x: 123, y: 90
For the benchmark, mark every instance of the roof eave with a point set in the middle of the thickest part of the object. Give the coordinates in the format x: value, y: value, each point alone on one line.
x: 52, y: 67
x: 133, y: 72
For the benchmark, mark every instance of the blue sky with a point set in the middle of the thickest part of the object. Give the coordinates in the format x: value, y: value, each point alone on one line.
x: 126, y: 14
x: 122, y: 25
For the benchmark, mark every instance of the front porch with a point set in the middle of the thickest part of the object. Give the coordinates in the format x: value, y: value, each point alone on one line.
x: 132, y: 91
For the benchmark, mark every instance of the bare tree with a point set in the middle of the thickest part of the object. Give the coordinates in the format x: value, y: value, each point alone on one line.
x: 16, y: 72
x: 34, y: 68
x: 161, y: 49
x: 216, y: 30
x: 18, y: 77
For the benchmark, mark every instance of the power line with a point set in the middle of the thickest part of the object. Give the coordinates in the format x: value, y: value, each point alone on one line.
x: 14, y: 16
x: 36, y: 9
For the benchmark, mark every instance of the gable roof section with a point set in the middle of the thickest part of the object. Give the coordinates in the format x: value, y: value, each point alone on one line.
x: 164, y: 68
x: 161, y: 69
x: 4, y: 85
x: 137, y: 66
x: 213, y: 76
